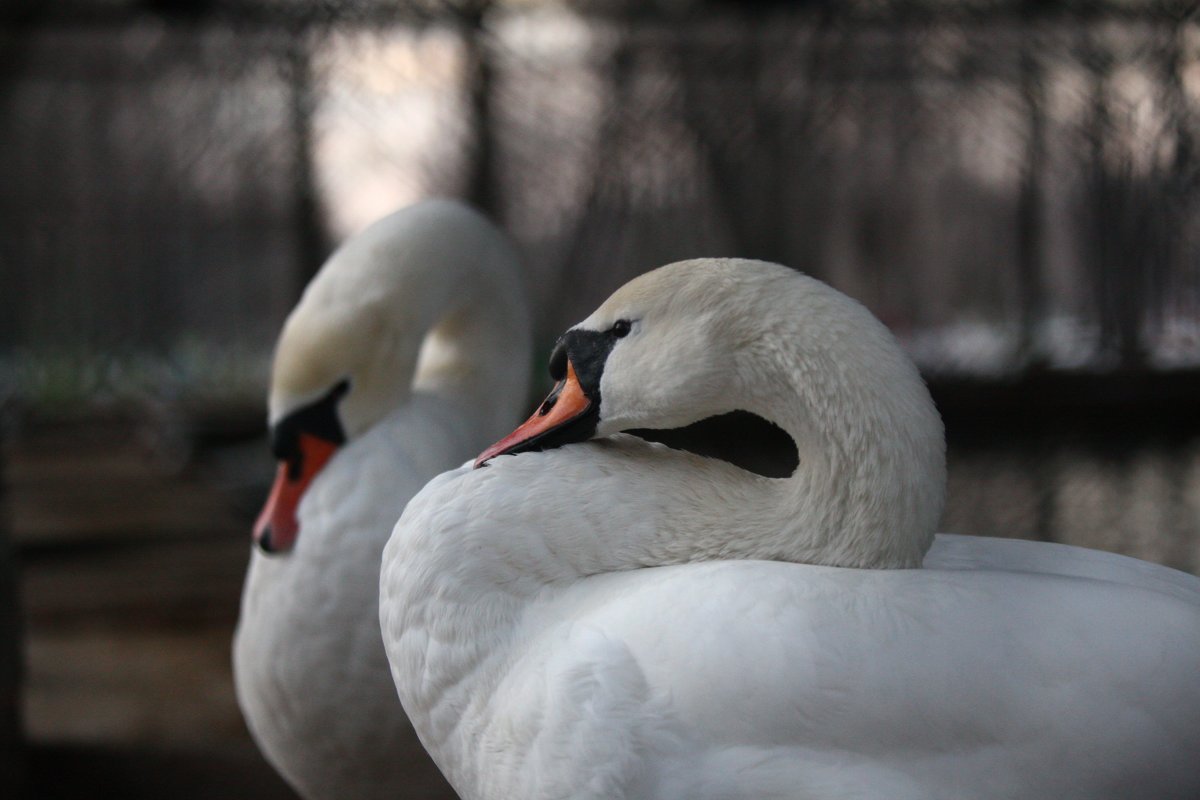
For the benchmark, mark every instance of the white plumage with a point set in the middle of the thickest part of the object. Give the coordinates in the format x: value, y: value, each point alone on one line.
x: 424, y: 313
x: 617, y: 619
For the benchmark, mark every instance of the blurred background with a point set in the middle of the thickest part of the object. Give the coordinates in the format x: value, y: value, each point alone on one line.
x: 1013, y: 187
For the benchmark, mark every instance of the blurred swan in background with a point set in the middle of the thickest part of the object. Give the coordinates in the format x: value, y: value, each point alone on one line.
x: 665, y: 613
x: 408, y: 352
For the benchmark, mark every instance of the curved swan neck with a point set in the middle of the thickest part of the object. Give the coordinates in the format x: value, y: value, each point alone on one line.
x: 428, y: 299
x: 862, y: 494
x: 869, y: 487
x: 477, y: 354
x: 868, y: 490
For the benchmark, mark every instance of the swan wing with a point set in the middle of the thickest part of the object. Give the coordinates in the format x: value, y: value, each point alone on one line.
x: 763, y: 679
x: 955, y: 552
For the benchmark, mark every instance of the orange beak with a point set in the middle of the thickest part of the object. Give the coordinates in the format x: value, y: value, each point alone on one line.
x: 565, y: 404
x: 276, y: 529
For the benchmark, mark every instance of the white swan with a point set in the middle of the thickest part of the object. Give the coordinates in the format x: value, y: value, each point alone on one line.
x: 621, y: 619
x: 407, y: 353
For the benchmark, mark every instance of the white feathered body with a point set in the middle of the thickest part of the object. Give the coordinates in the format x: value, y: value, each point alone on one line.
x: 760, y: 679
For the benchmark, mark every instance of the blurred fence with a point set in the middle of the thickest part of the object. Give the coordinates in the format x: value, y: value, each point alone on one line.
x: 1004, y: 183
x: 1011, y: 186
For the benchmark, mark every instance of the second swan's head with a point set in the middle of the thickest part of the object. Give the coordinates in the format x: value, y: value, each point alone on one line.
x: 426, y: 299
x: 710, y: 338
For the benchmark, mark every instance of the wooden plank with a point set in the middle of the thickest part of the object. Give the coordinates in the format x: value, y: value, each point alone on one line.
x: 173, y: 583
x: 100, y: 484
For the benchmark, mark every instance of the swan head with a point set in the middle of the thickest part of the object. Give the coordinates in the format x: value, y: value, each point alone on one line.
x: 698, y: 340
x: 656, y: 354
x: 387, y: 314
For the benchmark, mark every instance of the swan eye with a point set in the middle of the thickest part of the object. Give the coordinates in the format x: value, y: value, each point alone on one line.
x: 620, y: 328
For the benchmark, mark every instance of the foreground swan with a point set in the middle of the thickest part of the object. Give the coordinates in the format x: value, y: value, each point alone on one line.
x: 406, y: 354
x: 615, y: 618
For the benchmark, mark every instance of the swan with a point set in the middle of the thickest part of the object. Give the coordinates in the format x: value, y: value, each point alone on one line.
x: 587, y: 612
x: 407, y: 353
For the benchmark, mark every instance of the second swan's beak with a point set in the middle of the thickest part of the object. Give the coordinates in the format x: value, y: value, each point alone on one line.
x: 567, y: 403
x: 276, y: 528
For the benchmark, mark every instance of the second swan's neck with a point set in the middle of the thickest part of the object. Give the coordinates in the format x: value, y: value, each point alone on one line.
x: 431, y: 300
